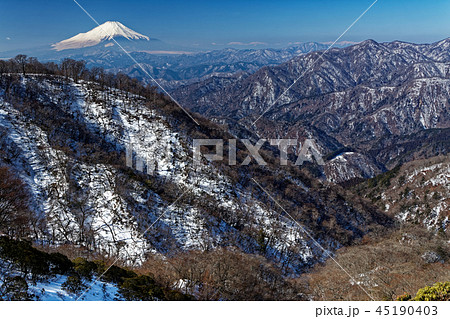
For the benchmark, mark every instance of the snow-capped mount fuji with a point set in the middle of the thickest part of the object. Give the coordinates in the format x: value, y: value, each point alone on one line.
x: 103, y: 33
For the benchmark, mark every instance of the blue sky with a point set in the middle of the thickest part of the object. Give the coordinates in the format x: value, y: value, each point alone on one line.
x: 25, y: 24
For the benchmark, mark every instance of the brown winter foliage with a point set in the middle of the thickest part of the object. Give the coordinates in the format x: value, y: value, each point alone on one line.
x: 15, y: 217
x: 385, y: 266
x: 223, y: 274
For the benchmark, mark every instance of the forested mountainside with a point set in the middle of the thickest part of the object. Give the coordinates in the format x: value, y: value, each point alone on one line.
x: 386, y: 102
x: 63, y: 141
x: 417, y: 192
x: 395, y: 264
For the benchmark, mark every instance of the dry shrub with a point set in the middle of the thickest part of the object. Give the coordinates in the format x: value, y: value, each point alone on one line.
x: 223, y: 274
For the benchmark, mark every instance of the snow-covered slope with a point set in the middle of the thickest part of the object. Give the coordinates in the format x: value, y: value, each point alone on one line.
x: 51, y: 287
x: 104, y: 32
x: 83, y: 202
x: 422, y: 195
x: 68, y: 141
x: 349, y: 165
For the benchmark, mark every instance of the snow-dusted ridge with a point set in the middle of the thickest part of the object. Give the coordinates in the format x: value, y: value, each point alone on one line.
x: 104, y: 32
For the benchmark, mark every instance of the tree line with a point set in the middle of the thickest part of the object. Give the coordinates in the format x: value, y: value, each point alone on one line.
x: 76, y: 70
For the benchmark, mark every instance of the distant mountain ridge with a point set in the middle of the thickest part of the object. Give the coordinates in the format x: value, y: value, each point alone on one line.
x: 174, y: 66
x: 366, y: 96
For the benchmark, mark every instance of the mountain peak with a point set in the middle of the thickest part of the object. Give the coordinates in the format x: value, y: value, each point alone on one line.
x: 104, y: 32
x: 113, y: 23
x: 368, y: 42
